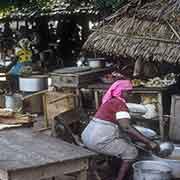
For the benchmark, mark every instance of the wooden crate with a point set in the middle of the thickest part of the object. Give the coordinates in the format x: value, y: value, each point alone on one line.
x: 56, y: 103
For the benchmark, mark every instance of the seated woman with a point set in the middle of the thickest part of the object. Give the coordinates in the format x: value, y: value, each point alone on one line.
x: 110, y: 131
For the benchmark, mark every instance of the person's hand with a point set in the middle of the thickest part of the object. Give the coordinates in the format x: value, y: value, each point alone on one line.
x: 154, y: 146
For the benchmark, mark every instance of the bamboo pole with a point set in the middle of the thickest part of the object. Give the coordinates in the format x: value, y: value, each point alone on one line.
x: 173, y: 30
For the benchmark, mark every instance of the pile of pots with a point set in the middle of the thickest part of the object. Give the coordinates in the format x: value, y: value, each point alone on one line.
x: 27, y: 84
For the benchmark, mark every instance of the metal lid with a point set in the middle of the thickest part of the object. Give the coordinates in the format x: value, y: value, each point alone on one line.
x: 34, y: 76
x: 69, y: 70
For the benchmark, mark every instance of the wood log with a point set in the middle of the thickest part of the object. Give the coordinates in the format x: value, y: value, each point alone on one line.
x: 6, y: 113
x: 16, y: 120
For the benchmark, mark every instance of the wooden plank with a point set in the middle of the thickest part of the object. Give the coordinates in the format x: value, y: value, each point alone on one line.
x: 57, y: 103
x: 29, y: 95
x: 82, y: 175
x: 104, y: 86
x: 53, y: 96
x: 21, y: 149
x: 174, y: 132
x: 52, y: 170
x: 16, y: 120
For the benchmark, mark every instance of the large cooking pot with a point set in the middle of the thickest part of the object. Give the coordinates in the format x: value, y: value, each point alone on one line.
x: 33, y: 83
x: 151, y: 170
x: 173, y: 161
x: 96, y: 62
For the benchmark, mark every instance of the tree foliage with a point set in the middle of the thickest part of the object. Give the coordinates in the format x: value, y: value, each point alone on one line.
x: 6, y: 6
x: 112, y: 4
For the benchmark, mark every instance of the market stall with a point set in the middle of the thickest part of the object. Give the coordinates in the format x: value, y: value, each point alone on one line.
x: 156, y: 93
x: 149, y: 37
x: 31, y: 28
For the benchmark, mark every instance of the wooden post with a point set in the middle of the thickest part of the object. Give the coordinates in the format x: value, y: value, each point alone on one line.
x: 96, y: 98
x: 45, y: 110
x: 161, y: 120
x: 82, y: 175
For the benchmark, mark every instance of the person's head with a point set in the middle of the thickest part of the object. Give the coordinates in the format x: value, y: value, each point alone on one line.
x: 123, y: 88
x: 24, y: 43
x: 119, y: 89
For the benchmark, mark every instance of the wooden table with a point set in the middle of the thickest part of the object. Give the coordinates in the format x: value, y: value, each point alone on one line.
x: 102, y: 87
x: 25, y: 155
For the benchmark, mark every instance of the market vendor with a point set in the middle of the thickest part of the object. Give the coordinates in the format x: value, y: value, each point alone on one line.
x: 23, y: 60
x: 110, y: 131
x: 23, y: 54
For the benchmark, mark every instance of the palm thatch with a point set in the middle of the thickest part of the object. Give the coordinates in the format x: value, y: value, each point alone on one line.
x: 151, y: 32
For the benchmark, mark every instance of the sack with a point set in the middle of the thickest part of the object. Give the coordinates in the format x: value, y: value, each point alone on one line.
x: 151, y: 111
x: 136, y: 108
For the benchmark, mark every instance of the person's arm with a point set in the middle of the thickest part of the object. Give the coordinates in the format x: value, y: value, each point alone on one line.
x: 136, y: 135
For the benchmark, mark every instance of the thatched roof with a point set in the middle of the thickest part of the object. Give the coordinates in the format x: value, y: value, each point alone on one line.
x: 151, y: 32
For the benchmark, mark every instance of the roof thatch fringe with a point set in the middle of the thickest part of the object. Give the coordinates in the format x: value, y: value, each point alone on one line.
x: 137, y: 36
x: 161, y: 10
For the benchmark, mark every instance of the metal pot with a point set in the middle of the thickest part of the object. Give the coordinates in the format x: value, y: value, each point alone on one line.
x: 13, y: 102
x: 33, y: 83
x: 166, y: 149
x: 96, y: 62
x: 173, y: 161
x: 151, y: 170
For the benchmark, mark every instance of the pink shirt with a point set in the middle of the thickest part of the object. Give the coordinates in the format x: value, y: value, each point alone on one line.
x: 112, y: 110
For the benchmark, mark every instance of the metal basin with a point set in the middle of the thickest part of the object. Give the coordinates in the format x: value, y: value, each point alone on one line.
x: 33, y: 83
x: 151, y: 170
x: 166, y: 149
x: 13, y: 102
x: 173, y: 161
